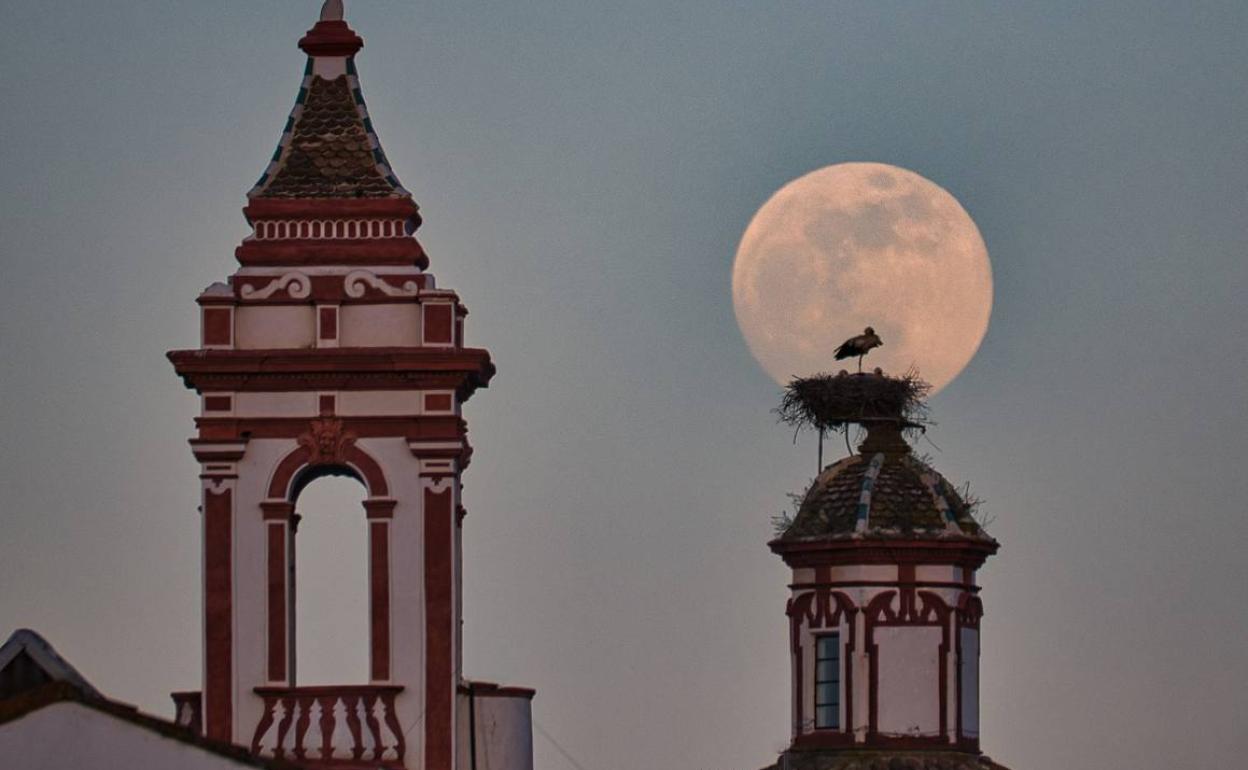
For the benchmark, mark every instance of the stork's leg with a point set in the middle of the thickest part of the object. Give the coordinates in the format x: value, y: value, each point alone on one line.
x: 860, y: 363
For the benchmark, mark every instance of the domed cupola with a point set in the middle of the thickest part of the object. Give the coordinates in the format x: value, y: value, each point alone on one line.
x: 884, y: 609
x: 883, y: 492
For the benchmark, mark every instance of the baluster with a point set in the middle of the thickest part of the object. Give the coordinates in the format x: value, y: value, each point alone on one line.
x: 392, y: 719
x: 353, y: 722
x: 387, y: 742
x: 342, y: 742
x: 368, y: 729
x: 314, y: 739
x: 290, y: 740
x: 266, y: 741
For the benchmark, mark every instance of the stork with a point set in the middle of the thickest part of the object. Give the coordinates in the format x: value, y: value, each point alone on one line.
x: 859, y: 346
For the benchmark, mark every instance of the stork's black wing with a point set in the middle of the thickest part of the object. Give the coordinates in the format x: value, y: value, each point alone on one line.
x: 848, y: 349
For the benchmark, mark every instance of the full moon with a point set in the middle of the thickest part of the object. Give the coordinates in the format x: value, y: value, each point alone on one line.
x: 857, y: 245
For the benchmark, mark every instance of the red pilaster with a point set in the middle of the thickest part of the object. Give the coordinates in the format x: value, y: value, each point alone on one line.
x: 439, y: 628
x: 218, y: 616
x: 379, y: 514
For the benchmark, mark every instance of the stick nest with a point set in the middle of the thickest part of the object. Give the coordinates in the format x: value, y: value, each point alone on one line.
x: 824, y: 402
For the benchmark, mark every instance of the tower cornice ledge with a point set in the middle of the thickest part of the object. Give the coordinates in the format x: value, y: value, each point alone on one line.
x: 959, y: 551
x: 461, y: 369
x: 864, y: 759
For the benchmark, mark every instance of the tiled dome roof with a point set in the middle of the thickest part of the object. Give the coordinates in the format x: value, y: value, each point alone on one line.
x: 329, y: 148
x: 885, y: 493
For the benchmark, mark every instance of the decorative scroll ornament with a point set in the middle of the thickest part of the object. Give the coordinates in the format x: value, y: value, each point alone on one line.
x: 300, y: 287
x: 327, y: 443
x: 357, y: 282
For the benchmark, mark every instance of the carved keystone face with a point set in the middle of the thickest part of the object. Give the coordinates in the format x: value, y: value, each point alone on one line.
x: 327, y: 437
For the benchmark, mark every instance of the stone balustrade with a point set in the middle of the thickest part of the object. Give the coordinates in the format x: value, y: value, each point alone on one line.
x: 338, y: 726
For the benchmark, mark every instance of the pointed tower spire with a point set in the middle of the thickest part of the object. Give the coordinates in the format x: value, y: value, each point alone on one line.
x: 329, y: 192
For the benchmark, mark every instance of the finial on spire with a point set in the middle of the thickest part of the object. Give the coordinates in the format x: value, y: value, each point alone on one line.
x: 332, y: 10
x: 330, y: 36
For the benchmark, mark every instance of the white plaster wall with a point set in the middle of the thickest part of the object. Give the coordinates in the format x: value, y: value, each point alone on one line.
x: 407, y: 587
x: 261, y: 327
x: 275, y: 404
x: 250, y: 579
x: 329, y: 67
x: 864, y: 573
x: 970, y: 682
x: 504, y: 733
x: 938, y: 573
x: 909, y: 679
x: 70, y: 735
x: 380, y: 402
x: 373, y: 326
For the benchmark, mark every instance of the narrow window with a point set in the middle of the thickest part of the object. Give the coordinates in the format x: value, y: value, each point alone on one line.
x: 828, y: 682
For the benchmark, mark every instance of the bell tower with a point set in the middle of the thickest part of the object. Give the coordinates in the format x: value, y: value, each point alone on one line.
x: 884, y: 609
x: 332, y: 351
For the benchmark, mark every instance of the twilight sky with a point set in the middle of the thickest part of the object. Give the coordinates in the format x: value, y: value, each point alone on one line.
x: 586, y: 169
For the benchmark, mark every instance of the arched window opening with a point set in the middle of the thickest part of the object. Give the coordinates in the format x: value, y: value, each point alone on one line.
x: 330, y: 581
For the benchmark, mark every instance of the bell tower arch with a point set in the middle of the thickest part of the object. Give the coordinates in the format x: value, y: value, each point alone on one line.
x: 331, y: 350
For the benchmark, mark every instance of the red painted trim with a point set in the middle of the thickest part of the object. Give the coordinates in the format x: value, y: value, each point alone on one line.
x: 194, y: 699
x: 375, y: 251
x: 327, y: 404
x: 958, y: 552
x: 464, y: 383
x: 325, y: 690
x: 329, y: 323
x: 957, y: 677
x: 211, y: 450
x: 277, y: 601
x: 438, y: 402
x: 442, y: 428
x: 799, y: 611
x: 284, y: 370
x: 438, y: 323
x: 358, y: 460
x: 943, y: 657
x: 373, y: 475
x: 218, y: 326
x: 329, y: 208
x: 279, y: 485
x: 880, y: 584
x: 379, y: 509
x: 439, y: 630
x: 218, y: 615
x: 271, y: 510
x: 493, y: 690
x: 824, y: 739
x: 850, y: 647
x: 331, y: 38
x: 218, y: 403
x: 379, y: 597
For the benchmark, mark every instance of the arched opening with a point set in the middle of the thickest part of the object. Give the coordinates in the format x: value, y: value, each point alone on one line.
x: 330, y: 639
